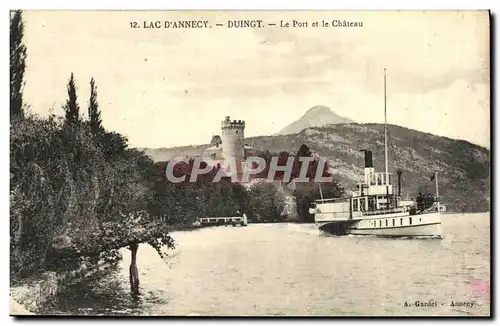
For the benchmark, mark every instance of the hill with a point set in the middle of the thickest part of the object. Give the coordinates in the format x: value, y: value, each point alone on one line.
x: 464, y: 168
x: 165, y: 154
x: 316, y: 116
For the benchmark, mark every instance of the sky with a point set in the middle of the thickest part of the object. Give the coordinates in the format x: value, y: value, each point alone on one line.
x: 172, y: 87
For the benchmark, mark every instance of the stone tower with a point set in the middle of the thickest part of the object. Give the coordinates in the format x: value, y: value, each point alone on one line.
x: 233, y: 133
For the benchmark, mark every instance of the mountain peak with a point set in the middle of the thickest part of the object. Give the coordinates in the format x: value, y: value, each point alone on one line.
x: 318, y: 109
x: 317, y: 116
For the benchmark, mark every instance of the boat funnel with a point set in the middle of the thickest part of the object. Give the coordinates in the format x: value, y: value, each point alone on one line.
x: 399, y: 172
x: 368, y: 158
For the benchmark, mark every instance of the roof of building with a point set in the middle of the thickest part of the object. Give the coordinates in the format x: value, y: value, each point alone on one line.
x: 216, y: 140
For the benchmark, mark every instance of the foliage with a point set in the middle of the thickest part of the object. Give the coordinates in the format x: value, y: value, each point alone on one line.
x: 17, y: 64
x: 304, y: 151
x: 70, y: 196
x: 265, y: 203
x: 306, y: 193
x: 93, y: 110
x: 184, y: 202
x: 71, y: 108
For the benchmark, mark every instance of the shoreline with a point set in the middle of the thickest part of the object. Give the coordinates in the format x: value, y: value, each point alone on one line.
x: 17, y: 309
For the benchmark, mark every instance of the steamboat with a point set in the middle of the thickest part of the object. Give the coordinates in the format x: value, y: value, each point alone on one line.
x: 374, y: 209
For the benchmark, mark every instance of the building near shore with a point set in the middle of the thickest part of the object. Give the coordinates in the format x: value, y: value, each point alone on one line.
x: 230, y: 143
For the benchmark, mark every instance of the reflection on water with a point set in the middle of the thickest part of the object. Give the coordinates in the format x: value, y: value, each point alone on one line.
x: 293, y: 269
x: 108, y: 295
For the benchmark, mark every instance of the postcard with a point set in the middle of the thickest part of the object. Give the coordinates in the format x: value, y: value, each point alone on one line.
x: 250, y: 163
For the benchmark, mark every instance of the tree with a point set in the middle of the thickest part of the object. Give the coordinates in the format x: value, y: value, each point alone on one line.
x: 74, y: 199
x: 124, y: 231
x: 304, y: 151
x: 265, y: 203
x: 182, y: 203
x: 307, y: 192
x: 94, y: 112
x: 130, y: 232
x: 17, y: 64
x: 71, y: 108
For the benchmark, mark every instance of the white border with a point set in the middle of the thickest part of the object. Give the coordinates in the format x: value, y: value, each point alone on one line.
x: 178, y: 5
x: 255, y: 4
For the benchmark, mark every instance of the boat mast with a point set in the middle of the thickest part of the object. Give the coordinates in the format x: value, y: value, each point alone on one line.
x: 385, y: 139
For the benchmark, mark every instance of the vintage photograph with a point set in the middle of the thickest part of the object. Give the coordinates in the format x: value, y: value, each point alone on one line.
x: 250, y: 163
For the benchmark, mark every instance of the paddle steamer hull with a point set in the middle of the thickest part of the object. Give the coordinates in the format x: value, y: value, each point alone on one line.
x: 390, y: 225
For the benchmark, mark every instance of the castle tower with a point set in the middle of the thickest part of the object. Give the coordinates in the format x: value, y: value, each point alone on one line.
x: 233, y: 133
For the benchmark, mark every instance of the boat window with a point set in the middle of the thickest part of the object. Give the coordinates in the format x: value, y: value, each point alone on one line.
x: 393, y: 222
x: 371, y: 203
x: 362, y: 203
x: 380, y: 223
x: 410, y: 220
x: 390, y: 179
x: 386, y: 223
x: 401, y: 221
x: 372, y: 179
x: 379, y: 180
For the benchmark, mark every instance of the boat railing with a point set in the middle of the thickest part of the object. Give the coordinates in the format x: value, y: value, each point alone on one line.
x: 385, y: 211
x: 330, y: 200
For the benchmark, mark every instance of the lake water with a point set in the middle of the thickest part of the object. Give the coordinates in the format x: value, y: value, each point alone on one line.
x: 293, y: 269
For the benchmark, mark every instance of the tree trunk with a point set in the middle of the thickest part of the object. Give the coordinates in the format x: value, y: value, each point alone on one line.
x: 134, y: 273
